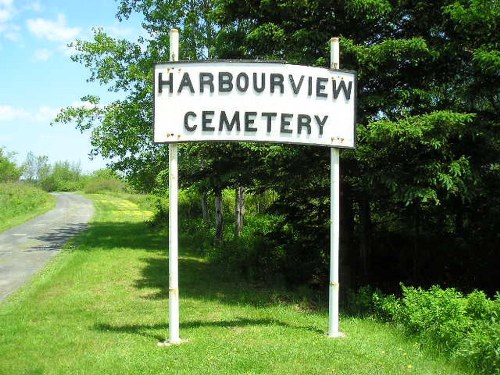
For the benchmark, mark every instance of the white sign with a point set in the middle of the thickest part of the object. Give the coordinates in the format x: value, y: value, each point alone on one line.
x: 253, y: 102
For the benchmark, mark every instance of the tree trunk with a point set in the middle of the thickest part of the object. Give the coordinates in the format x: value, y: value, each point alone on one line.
x: 239, y: 210
x: 365, y: 247
x: 459, y: 222
x: 204, y: 207
x: 416, y: 242
x: 219, y: 225
x: 347, y: 257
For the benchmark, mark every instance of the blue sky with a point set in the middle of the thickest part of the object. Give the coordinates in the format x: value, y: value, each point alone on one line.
x: 37, y: 76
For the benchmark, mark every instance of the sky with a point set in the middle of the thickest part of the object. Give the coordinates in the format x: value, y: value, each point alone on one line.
x: 38, y: 78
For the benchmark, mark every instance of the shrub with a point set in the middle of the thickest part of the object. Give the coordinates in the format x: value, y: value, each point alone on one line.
x: 104, y: 181
x: 360, y: 302
x: 254, y: 255
x: 481, y: 347
x: 9, y: 171
x: 95, y: 186
x: 436, y: 314
x: 387, y: 308
x: 465, y: 327
x: 63, y: 176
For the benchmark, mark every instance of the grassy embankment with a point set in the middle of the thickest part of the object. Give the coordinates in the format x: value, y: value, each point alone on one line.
x: 101, y: 307
x: 20, y: 202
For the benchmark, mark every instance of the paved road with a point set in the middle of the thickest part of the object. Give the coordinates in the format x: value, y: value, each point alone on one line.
x: 26, y: 248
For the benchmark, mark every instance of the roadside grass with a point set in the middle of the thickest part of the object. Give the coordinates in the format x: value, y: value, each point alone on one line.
x: 101, y: 307
x: 20, y: 202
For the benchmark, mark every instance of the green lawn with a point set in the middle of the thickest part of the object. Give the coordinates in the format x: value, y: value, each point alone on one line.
x: 21, y: 202
x: 101, y: 307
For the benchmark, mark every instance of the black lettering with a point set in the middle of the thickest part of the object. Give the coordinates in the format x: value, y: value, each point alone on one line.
x: 285, y: 123
x: 189, y: 128
x: 277, y: 80
x: 295, y: 88
x: 229, y: 125
x: 206, y: 120
x: 249, y: 120
x: 346, y: 90
x: 269, y: 116
x: 168, y: 82
x: 304, y: 121
x: 262, y: 82
x: 320, y: 87
x: 206, y: 79
x: 246, y: 81
x: 186, y: 82
x: 310, y: 86
x: 321, y: 123
x: 225, y: 82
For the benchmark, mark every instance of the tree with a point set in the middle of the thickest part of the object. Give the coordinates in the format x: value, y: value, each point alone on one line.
x: 427, y: 87
x: 428, y: 143
x: 9, y: 171
x: 63, y: 176
x: 121, y: 131
x: 35, y: 168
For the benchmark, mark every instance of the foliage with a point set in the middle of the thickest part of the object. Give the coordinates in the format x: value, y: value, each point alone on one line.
x: 20, y: 202
x: 9, y: 171
x: 465, y: 327
x: 253, y: 256
x: 421, y: 187
x: 104, y: 181
x: 361, y: 302
x: 63, y: 176
x: 35, y: 168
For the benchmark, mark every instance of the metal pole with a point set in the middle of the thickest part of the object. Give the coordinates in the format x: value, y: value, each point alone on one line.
x: 333, y: 306
x: 173, y: 263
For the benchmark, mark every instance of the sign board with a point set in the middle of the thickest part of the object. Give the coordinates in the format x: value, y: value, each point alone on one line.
x: 254, y: 102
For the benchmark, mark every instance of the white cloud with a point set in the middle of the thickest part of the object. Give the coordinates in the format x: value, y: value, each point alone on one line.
x: 42, y: 54
x: 54, y: 31
x: 34, y: 6
x: 9, y: 113
x: 46, y: 114
x: 6, y: 10
x: 12, y: 33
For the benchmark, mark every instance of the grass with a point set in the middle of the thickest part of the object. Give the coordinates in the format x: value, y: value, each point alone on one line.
x: 21, y: 202
x: 101, y: 307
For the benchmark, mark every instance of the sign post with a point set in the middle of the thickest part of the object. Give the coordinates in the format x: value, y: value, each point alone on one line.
x: 253, y: 101
x: 333, y: 305
x: 173, y: 228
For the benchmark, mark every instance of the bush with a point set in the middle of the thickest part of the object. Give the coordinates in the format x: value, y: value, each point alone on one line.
x: 481, y: 347
x: 464, y: 327
x: 104, y: 181
x: 63, y: 176
x: 254, y: 255
x: 9, y: 171
x: 436, y: 314
x: 360, y: 302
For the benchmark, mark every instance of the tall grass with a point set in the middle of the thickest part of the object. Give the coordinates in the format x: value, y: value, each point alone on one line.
x: 20, y: 202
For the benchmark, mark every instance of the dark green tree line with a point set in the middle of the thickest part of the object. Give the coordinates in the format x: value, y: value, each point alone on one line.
x: 419, y: 194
